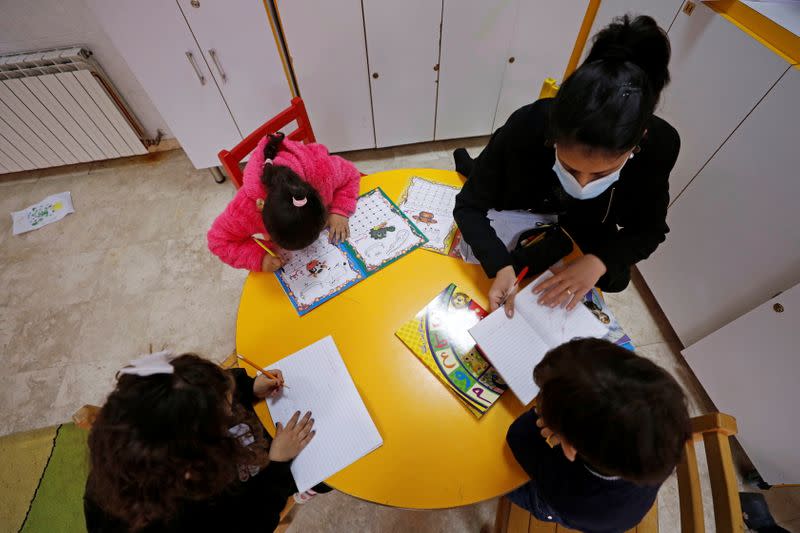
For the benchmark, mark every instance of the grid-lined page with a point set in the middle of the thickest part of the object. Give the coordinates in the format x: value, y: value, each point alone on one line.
x: 556, y: 325
x: 513, y: 348
x: 318, y: 381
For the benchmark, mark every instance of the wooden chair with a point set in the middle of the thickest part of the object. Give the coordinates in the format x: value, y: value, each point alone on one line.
x: 296, y: 112
x: 715, y: 430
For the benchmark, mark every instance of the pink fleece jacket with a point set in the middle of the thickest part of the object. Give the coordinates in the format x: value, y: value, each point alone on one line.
x: 335, y: 179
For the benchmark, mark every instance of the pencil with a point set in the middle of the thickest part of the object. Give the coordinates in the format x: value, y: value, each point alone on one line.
x: 261, y: 244
x: 256, y: 367
x: 516, y: 283
x: 532, y: 240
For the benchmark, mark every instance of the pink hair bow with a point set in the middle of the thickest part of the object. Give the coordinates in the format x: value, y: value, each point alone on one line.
x: 299, y: 203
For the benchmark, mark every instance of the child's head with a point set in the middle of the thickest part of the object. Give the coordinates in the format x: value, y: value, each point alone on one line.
x: 620, y: 412
x: 293, y: 214
x: 163, y: 438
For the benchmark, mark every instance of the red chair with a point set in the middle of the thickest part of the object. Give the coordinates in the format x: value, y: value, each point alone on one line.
x: 295, y: 112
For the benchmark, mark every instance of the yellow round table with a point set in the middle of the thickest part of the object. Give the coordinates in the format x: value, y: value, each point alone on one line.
x: 435, y: 453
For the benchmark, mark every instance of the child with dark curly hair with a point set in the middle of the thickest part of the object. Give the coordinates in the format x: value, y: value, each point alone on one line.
x: 178, y: 447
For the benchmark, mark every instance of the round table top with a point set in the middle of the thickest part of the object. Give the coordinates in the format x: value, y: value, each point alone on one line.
x: 435, y: 453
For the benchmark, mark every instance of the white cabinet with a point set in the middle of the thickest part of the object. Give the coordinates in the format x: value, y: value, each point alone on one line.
x: 544, y: 35
x: 171, y: 60
x: 403, y: 55
x: 239, y: 48
x: 475, y: 44
x: 719, y: 73
x: 734, y: 239
x: 750, y: 369
x: 326, y: 45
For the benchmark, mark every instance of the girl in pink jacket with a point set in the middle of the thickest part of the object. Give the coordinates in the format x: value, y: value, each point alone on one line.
x: 290, y: 192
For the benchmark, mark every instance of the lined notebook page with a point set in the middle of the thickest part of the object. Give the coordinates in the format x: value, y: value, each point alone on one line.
x: 514, y: 348
x: 319, y: 382
x: 556, y: 325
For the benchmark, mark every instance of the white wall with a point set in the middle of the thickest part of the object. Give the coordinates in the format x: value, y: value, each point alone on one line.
x: 33, y: 24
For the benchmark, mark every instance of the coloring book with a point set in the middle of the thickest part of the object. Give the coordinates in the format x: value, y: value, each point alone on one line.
x: 430, y: 204
x: 379, y: 234
x: 439, y: 336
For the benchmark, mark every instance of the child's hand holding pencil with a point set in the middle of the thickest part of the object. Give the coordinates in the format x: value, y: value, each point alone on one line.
x: 268, y: 382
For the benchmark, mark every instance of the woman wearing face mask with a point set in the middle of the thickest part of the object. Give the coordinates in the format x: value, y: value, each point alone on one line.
x: 596, y: 156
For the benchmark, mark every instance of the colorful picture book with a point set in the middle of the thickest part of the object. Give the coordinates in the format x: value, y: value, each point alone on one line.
x: 379, y: 234
x: 439, y: 336
x: 430, y: 204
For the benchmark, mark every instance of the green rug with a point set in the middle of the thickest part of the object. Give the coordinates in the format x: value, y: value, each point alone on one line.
x: 52, y: 484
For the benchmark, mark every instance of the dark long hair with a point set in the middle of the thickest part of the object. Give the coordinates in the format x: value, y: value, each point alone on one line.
x: 608, y: 101
x: 163, y: 439
x: 623, y: 414
x: 291, y: 226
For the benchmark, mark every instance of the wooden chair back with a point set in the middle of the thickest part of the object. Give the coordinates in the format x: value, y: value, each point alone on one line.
x: 715, y: 429
x: 296, y: 112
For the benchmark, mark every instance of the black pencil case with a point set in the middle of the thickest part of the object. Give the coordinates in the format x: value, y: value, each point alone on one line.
x: 540, y: 248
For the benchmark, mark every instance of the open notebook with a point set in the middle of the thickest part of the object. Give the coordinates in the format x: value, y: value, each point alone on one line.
x: 319, y: 382
x: 515, y: 346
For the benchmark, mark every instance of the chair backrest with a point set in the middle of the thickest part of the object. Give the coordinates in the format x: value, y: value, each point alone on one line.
x: 715, y: 429
x: 296, y: 112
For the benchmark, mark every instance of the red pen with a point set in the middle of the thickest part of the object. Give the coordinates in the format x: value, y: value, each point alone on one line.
x: 516, y: 283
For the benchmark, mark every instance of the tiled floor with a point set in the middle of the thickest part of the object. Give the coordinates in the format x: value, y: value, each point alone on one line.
x: 130, y: 271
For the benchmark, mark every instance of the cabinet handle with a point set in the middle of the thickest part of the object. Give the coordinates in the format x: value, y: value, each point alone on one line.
x: 200, y: 76
x: 375, y: 75
x: 778, y: 308
x: 511, y: 59
x: 213, y: 53
x: 436, y: 67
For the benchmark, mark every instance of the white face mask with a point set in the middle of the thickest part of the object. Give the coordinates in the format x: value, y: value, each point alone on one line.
x: 593, y: 189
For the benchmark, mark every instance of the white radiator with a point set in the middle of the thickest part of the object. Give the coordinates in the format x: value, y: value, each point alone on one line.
x: 57, y: 107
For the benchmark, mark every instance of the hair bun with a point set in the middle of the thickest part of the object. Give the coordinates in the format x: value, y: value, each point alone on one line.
x: 639, y: 41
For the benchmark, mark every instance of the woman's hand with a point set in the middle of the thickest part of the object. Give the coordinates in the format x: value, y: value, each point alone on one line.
x: 550, y: 438
x: 290, y: 440
x: 338, y: 228
x: 503, y: 288
x: 264, y: 386
x: 571, y: 283
x: 271, y: 264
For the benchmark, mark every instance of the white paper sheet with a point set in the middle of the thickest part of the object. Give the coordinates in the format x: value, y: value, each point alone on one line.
x: 513, y: 348
x: 319, y: 382
x: 516, y: 345
x: 51, y: 209
x: 509, y: 225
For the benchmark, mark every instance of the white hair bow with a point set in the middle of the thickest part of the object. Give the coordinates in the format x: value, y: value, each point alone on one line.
x: 147, y: 365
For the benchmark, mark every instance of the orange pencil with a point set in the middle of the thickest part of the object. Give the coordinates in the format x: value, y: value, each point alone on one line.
x: 258, y: 368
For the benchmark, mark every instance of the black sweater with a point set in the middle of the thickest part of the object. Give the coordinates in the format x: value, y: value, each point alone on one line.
x: 622, y: 226
x: 252, y: 505
x: 581, y: 498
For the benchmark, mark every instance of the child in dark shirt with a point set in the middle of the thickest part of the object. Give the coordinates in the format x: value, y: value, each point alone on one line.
x: 178, y: 447
x: 620, y: 422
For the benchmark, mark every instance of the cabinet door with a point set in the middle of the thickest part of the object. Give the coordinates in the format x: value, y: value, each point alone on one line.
x: 719, y: 73
x: 749, y: 369
x: 241, y: 51
x: 543, y: 39
x: 155, y: 41
x: 734, y: 239
x: 325, y: 41
x: 403, y: 53
x: 475, y: 38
